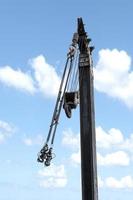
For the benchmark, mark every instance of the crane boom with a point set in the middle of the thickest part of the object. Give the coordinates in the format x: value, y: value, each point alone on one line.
x: 87, y: 121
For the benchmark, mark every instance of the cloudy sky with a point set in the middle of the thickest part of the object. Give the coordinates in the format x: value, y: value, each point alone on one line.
x: 34, y: 40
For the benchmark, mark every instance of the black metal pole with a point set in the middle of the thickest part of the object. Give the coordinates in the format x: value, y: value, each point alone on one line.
x: 87, y: 121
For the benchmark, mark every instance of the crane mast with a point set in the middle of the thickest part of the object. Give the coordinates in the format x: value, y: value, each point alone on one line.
x: 87, y: 121
x: 81, y: 72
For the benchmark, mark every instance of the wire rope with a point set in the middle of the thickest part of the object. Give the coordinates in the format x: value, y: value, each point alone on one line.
x: 57, y: 102
x: 61, y: 101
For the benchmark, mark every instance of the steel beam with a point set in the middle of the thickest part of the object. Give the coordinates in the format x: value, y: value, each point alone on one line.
x: 87, y: 118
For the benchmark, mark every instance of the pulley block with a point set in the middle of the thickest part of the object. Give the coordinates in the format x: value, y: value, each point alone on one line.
x: 71, y: 99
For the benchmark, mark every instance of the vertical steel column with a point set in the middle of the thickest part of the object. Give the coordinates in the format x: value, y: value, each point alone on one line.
x: 87, y: 121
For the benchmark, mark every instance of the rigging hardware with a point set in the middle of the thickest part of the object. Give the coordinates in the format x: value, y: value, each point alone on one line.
x: 46, y: 154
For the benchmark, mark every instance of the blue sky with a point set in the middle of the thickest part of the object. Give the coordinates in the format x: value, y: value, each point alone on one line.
x: 34, y: 40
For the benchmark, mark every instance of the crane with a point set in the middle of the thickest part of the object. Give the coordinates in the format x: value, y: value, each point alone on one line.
x: 76, y: 87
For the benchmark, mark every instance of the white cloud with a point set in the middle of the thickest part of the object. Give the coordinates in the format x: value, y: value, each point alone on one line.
x: 70, y: 139
x: 113, y: 183
x: 104, y: 139
x: 128, y: 144
x: 124, y: 183
x: 53, y: 177
x: 2, y: 137
x: 100, y: 182
x: 17, y: 79
x: 117, y: 158
x: 113, y: 75
x: 53, y: 183
x: 108, y: 139
x: 46, y: 77
x: 6, y: 131
x: 33, y: 141
x: 112, y: 139
x: 76, y: 158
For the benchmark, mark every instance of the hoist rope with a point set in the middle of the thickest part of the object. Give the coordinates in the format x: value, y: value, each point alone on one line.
x: 57, y: 102
x: 75, y: 75
x: 71, y: 76
x: 63, y: 85
x: 75, y: 69
x: 69, y: 81
x: 61, y: 101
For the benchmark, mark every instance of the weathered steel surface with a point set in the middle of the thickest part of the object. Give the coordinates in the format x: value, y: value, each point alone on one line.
x: 87, y: 119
